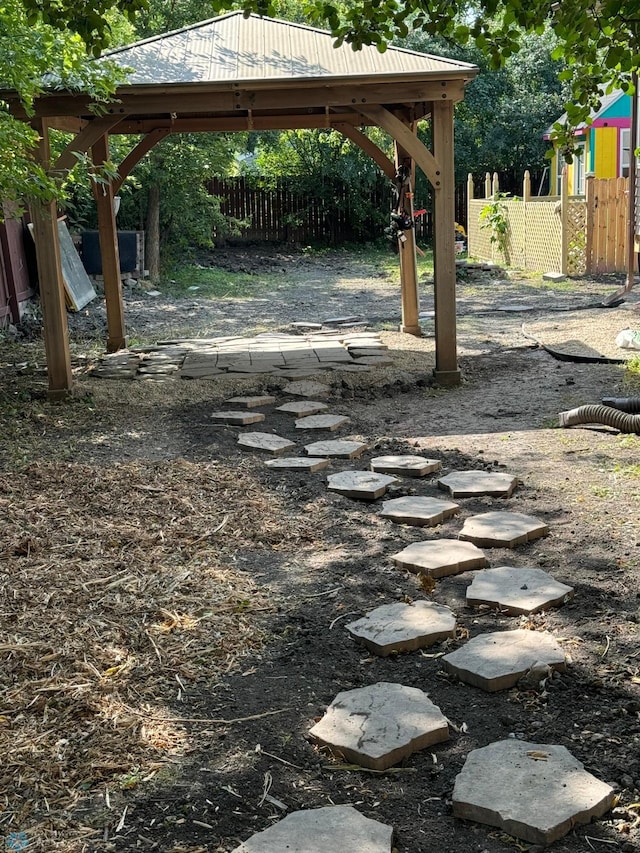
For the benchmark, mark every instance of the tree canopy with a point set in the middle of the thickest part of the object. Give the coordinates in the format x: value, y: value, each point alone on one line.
x: 597, y: 39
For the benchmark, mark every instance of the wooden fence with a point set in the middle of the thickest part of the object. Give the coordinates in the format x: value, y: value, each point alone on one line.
x: 574, y: 235
x: 15, y: 284
x: 281, y: 214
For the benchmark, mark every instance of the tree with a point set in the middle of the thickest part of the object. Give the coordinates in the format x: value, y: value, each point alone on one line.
x: 49, y: 42
x: 599, y: 40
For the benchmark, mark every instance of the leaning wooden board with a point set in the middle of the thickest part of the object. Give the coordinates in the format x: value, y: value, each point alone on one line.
x: 77, y: 284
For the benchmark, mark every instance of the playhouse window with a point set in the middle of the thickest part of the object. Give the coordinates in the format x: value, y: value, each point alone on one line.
x: 578, y: 172
x: 625, y: 150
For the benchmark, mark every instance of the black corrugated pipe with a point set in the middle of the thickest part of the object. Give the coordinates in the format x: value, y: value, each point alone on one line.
x: 625, y: 404
x: 596, y: 414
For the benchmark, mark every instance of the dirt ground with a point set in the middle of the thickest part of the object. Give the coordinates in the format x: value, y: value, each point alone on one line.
x: 173, y: 612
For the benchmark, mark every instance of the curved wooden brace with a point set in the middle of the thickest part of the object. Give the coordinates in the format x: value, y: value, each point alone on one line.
x: 406, y: 139
x: 136, y: 154
x: 84, y: 140
x: 369, y: 147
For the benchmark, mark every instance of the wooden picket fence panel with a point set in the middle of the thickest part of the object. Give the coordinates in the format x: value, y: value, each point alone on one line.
x: 575, y: 235
x: 280, y: 214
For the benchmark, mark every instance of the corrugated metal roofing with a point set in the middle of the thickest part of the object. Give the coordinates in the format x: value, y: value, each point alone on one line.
x: 233, y: 48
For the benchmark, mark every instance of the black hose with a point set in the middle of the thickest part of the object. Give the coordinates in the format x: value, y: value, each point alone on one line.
x: 596, y: 414
x: 624, y: 404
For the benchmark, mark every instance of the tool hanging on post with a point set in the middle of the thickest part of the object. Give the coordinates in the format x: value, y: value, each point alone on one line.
x: 401, y: 218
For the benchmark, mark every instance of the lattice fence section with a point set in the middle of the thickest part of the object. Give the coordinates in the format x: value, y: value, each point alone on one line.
x: 534, y: 238
x: 591, y: 231
x: 543, y: 238
x: 576, y: 225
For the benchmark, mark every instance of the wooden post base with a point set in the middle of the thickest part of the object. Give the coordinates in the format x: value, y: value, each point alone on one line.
x: 447, y: 378
x: 116, y: 344
x: 416, y: 331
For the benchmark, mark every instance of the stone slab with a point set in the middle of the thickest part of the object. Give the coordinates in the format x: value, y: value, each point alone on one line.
x: 307, y: 389
x: 418, y: 511
x: 266, y: 441
x: 304, y: 463
x: 237, y: 418
x: 252, y: 402
x: 497, y: 661
x: 323, y: 830
x: 362, y: 485
x: 440, y: 557
x: 328, y: 422
x: 337, y: 449
x: 469, y: 484
x: 517, y: 591
x: 401, y: 627
x: 502, y: 529
x: 302, y: 408
x: 538, y: 791
x: 380, y: 360
x: 405, y: 466
x: 380, y: 725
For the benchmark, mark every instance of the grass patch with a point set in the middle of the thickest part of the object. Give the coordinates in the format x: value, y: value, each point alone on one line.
x: 216, y: 283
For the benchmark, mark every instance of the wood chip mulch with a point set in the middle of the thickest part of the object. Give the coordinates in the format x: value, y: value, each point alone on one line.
x: 120, y: 587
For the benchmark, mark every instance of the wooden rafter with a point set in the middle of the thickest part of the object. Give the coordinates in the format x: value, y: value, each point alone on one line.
x: 83, y: 141
x: 136, y: 154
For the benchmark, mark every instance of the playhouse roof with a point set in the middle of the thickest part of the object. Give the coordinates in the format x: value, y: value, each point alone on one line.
x: 616, y: 104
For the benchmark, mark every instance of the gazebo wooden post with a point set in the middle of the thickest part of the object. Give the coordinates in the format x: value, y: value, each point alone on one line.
x: 446, y: 371
x: 108, y: 237
x: 44, y: 217
x: 408, y: 262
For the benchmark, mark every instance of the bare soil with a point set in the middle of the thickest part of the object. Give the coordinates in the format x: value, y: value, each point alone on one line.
x: 173, y: 612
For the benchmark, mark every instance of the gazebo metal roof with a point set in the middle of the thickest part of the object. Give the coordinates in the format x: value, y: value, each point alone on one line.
x: 235, y: 49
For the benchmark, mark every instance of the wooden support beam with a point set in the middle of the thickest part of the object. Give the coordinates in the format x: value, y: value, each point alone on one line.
x: 407, y: 139
x: 407, y: 256
x: 136, y: 154
x: 44, y: 219
x: 235, y: 122
x: 212, y: 98
x: 109, y: 251
x: 83, y: 141
x: 369, y: 147
x: 446, y: 371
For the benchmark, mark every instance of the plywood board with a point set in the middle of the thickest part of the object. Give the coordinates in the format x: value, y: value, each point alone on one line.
x: 78, y: 289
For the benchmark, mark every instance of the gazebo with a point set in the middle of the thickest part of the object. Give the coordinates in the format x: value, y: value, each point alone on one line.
x: 235, y: 73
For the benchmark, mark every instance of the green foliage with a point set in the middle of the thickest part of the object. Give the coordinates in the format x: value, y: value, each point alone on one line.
x: 319, y: 164
x: 599, y: 42
x: 493, y: 217
x: 38, y: 46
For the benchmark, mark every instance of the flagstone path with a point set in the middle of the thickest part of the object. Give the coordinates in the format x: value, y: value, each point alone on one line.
x: 538, y: 792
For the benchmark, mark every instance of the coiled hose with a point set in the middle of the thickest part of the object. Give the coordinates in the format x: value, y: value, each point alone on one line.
x: 596, y: 414
x: 625, y: 404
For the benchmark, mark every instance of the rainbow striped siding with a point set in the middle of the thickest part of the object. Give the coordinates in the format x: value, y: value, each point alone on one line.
x: 604, y: 144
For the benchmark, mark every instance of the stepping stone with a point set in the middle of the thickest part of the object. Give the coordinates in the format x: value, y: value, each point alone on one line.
x: 362, y: 485
x: 337, y: 449
x: 440, y: 557
x: 330, y: 422
x: 307, y: 389
x: 538, y: 791
x: 252, y: 402
x: 319, y: 830
x: 302, y: 408
x: 299, y: 324
x: 502, y: 529
x: 498, y: 661
x: 400, y: 627
x: 407, y: 466
x: 380, y: 360
x: 339, y: 321
x: 380, y: 725
x: 469, y: 484
x: 418, y: 511
x: 517, y: 591
x: 238, y: 418
x: 266, y: 441
x: 306, y: 463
